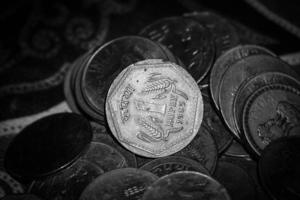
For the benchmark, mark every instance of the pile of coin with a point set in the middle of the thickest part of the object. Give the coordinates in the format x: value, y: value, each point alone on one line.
x: 182, y: 111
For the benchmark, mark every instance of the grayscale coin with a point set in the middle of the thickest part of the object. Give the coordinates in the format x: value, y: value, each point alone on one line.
x: 186, y: 185
x: 120, y: 184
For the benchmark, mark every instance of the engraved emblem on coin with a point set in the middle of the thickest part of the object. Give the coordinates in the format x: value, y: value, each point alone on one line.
x: 154, y: 108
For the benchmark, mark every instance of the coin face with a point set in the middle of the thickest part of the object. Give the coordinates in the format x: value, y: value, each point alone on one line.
x: 271, y: 112
x: 170, y: 164
x: 188, y: 40
x: 67, y: 184
x: 226, y: 60
x: 186, y: 184
x: 9, y: 185
x: 48, y: 145
x: 120, y: 184
x: 154, y: 108
x: 282, y: 181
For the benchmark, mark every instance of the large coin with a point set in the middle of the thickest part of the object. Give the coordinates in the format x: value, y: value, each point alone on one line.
x: 67, y: 184
x: 109, y: 60
x: 242, y: 71
x: 154, y: 108
x: 120, y: 184
x: 186, y: 185
x: 271, y: 112
x: 279, y: 168
x: 48, y: 145
x: 168, y: 165
x: 9, y: 185
x: 225, y: 61
x: 188, y: 40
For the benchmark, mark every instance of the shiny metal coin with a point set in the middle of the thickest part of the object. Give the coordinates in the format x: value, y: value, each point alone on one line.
x: 48, y: 146
x: 67, y: 184
x: 271, y: 112
x: 9, y: 185
x: 170, y: 164
x: 186, y: 185
x: 188, y: 40
x: 120, y: 184
x: 279, y: 168
x: 154, y: 108
x: 226, y: 60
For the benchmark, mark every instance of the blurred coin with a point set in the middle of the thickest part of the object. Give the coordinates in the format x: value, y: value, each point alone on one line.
x: 188, y: 40
x: 242, y: 71
x: 271, y: 112
x: 202, y: 149
x: 279, y: 168
x: 48, y: 145
x: 229, y: 58
x: 236, y: 150
x: 236, y: 180
x: 21, y: 197
x: 9, y: 185
x: 170, y: 164
x: 154, y: 108
x: 223, y: 32
x: 120, y: 184
x: 186, y: 185
x: 67, y: 184
x: 109, y: 60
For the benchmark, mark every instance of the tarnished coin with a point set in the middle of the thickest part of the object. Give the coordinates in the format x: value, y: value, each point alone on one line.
x: 109, y: 60
x: 154, y: 108
x: 271, y: 112
x: 229, y: 58
x: 236, y: 150
x: 224, y: 34
x: 21, y: 197
x: 186, y: 185
x: 236, y: 180
x: 105, y: 157
x: 9, y: 185
x: 188, y: 40
x: 67, y: 184
x: 242, y: 71
x: 48, y: 145
x: 279, y: 168
x: 119, y: 184
x: 170, y: 164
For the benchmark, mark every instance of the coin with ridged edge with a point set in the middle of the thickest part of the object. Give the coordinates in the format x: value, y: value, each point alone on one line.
x: 154, y: 108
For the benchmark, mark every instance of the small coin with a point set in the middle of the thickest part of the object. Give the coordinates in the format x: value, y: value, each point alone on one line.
x: 236, y: 150
x: 202, y: 149
x: 109, y: 60
x: 236, y: 180
x: 119, y: 184
x: 226, y: 60
x: 170, y: 164
x: 188, y: 40
x: 279, y: 168
x: 186, y: 185
x: 21, y: 197
x: 105, y: 157
x: 154, y: 108
x: 48, y: 145
x: 67, y: 184
x: 9, y: 185
x: 271, y: 112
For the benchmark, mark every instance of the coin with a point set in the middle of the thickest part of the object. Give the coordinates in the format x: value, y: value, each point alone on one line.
x: 271, y: 112
x: 105, y: 157
x: 186, y: 185
x: 279, y: 168
x: 21, y: 197
x: 119, y: 184
x: 9, y: 185
x: 242, y: 71
x: 48, y: 145
x: 109, y: 60
x: 223, y: 32
x: 202, y: 149
x: 236, y: 180
x: 214, y: 123
x: 170, y: 164
x: 188, y: 40
x: 67, y: 184
x: 226, y: 60
x: 154, y: 108
x: 249, y: 87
